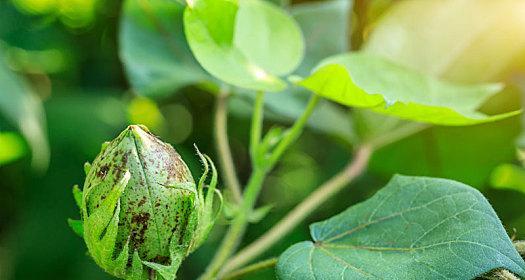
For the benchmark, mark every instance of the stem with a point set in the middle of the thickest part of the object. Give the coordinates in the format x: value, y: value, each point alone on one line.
x: 238, y: 226
x: 261, y: 168
x: 256, y: 129
x: 243, y: 272
x: 223, y: 147
x: 232, y: 238
x: 301, y: 211
x: 295, y: 131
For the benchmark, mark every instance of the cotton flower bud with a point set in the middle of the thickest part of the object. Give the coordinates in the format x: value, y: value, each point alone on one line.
x: 142, y: 212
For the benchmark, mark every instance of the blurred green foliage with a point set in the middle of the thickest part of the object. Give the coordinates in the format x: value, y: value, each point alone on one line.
x: 74, y: 60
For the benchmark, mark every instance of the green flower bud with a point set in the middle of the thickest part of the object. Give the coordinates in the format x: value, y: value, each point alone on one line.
x: 141, y: 210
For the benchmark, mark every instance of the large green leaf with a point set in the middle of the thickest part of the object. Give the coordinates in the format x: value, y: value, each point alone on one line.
x: 22, y: 108
x: 414, y: 228
x: 245, y: 43
x: 153, y: 48
x: 368, y: 81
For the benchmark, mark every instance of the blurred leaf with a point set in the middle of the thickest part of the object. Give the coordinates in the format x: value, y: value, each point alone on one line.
x: 509, y: 176
x: 414, y: 228
x: 41, y: 61
x: 73, y: 13
x: 85, y: 128
x: 462, y: 41
x: 247, y: 44
x: 364, y: 80
x: 467, y: 154
x: 465, y: 41
x: 371, y: 126
x: 153, y: 48
x: 376, y: 8
x: 23, y: 109
x: 12, y: 147
x: 326, y: 27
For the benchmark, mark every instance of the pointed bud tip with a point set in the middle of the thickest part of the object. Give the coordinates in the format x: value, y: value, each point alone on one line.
x: 139, y: 132
x: 138, y: 127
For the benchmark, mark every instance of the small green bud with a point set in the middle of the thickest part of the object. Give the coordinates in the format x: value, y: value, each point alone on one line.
x: 141, y: 210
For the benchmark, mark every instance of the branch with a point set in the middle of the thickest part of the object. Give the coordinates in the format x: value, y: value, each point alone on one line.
x: 262, y: 164
x: 301, y: 211
x: 295, y: 131
x: 223, y: 147
x: 234, y: 234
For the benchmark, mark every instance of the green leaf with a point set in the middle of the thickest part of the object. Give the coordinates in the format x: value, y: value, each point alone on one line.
x: 325, y: 26
x: 101, y: 229
x: 165, y: 63
x: 368, y: 81
x: 177, y: 254
x: 509, y: 176
x: 246, y: 43
x: 22, y: 108
x: 414, y: 228
x: 77, y: 195
x: 76, y: 226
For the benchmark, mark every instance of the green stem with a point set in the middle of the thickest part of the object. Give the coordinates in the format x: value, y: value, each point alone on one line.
x: 243, y: 272
x: 293, y: 134
x: 236, y: 231
x: 261, y: 168
x: 321, y: 195
x: 256, y: 129
x: 302, y: 210
x: 232, y: 238
x: 223, y: 147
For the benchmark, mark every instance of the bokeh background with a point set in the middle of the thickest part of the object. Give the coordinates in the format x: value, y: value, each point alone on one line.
x: 73, y: 73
